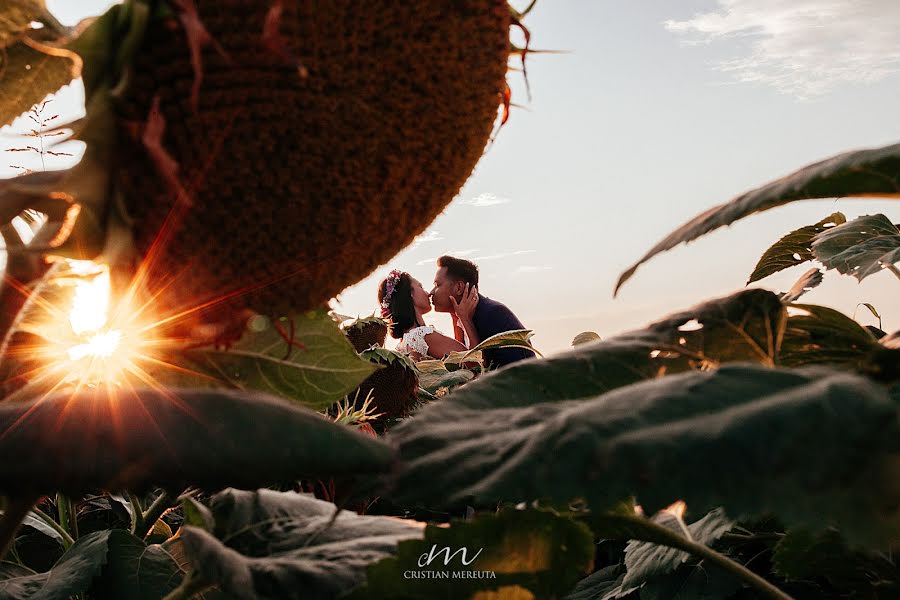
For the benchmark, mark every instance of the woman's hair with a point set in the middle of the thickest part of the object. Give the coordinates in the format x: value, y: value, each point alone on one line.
x: 400, y: 308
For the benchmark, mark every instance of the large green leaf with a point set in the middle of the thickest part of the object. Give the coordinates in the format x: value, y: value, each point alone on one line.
x: 29, y: 72
x: 793, y: 249
x: 862, y: 247
x: 860, y: 173
x: 135, y: 570
x: 318, y: 374
x: 516, y: 338
x: 283, y: 545
x: 116, y: 439
x: 448, y: 381
x: 813, y: 447
x: 71, y: 575
x: 517, y: 550
x: 743, y: 327
x: 822, y: 335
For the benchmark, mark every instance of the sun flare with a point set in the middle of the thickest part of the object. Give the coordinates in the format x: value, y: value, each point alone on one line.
x: 88, y: 336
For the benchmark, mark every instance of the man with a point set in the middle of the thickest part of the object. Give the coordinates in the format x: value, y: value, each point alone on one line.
x: 457, y: 278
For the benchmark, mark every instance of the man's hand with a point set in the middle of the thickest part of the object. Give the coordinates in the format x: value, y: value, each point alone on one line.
x: 465, y: 308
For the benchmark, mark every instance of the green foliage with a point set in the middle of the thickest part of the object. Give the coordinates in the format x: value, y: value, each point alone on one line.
x: 386, y: 356
x: 803, y: 555
x: 434, y: 375
x: 362, y: 322
x: 746, y: 326
x: 306, y: 555
x: 822, y: 335
x: 658, y: 570
x: 71, y: 575
x: 316, y: 375
x: 814, y: 425
x: 793, y: 249
x: 516, y: 338
x: 862, y: 247
x: 857, y: 173
x: 645, y: 560
x: 532, y: 549
x: 135, y: 570
x: 173, y: 438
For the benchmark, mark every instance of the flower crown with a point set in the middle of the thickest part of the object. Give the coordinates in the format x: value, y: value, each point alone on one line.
x: 392, y: 279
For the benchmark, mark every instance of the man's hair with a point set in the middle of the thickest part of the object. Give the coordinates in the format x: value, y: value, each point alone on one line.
x: 460, y: 269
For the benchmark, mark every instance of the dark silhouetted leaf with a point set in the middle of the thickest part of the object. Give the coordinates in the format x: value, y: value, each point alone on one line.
x: 860, y: 173
x: 279, y: 545
x: 793, y: 249
x: 805, y: 283
x: 822, y: 335
x: 862, y: 247
x: 534, y: 550
x: 71, y: 575
x: 743, y: 327
x: 8, y: 570
x: 131, y: 440
x: 645, y: 560
x: 318, y: 374
x: 804, y: 555
x: 810, y: 447
x: 135, y: 570
x: 604, y: 584
x: 35, y: 522
x: 700, y: 582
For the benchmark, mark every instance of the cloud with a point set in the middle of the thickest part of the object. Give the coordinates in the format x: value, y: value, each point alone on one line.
x: 500, y: 255
x: 486, y: 199
x: 803, y: 48
x: 532, y: 268
x: 456, y: 253
x: 429, y: 236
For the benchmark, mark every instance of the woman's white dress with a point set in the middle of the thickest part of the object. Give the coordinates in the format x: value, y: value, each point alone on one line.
x: 414, y: 341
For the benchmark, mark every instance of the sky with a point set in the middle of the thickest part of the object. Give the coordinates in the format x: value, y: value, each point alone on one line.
x: 647, y: 113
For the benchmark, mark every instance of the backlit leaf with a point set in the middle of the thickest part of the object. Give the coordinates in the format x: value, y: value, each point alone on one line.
x: 862, y: 247
x: 793, y: 249
x: 860, y: 173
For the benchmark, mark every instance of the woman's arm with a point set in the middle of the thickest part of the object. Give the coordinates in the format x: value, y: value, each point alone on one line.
x: 439, y: 345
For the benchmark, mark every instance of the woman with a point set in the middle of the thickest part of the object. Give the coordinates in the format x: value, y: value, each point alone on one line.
x: 404, y: 301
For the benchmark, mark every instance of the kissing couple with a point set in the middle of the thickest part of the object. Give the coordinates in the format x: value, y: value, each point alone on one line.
x: 475, y: 317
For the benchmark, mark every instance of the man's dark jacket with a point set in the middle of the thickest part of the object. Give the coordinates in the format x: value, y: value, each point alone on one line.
x: 490, y: 318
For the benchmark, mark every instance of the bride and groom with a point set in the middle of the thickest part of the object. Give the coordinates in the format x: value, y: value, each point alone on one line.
x: 475, y: 317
